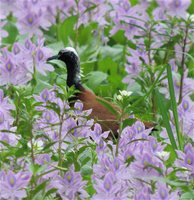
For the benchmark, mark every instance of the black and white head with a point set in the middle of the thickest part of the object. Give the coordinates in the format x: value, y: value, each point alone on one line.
x: 68, y: 55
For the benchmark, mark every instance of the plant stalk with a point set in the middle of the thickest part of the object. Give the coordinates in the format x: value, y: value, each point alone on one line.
x: 182, y: 64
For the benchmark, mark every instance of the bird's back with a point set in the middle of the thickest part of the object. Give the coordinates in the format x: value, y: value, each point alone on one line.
x: 100, y: 113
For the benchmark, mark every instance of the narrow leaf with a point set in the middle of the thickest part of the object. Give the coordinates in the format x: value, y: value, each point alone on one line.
x: 166, y: 120
x: 174, y: 105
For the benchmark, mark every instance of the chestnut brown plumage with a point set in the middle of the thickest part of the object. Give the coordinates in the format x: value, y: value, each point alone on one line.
x: 100, y: 113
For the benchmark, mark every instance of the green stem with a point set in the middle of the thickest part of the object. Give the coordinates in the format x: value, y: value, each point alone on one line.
x: 151, y: 89
x: 32, y: 149
x: 182, y: 64
x: 33, y: 81
x: 17, y: 112
x: 119, y: 133
x: 76, y: 26
x: 152, y: 71
x: 32, y: 185
x: 60, y: 143
x: 58, y: 24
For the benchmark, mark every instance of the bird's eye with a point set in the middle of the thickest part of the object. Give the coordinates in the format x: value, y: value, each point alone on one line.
x: 60, y: 53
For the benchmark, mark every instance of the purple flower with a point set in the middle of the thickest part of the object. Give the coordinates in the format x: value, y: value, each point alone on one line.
x: 12, y: 73
x: 121, y: 10
x: 186, y: 161
x: 45, y: 96
x: 13, y: 185
x: 79, y: 109
x: 179, y: 51
x: 42, y: 159
x: 47, y: 164
x: 173, y: 8
x: 138, y: 161
x: 177, y: 7
x: 186, y: 117
x: 8, y: 137
x: 140, y: 129
x: 163, y: 193
x: 28, y: 45
x: 17, y: 67
x: 186, y: 120
x: 97, y: 14
x: 71, y: 185
x: 97, y: 134
x: 3, y: 33
x: 128, y: 134
x: 145, y: 162
x: 107, y: 188
x: 49, y: 117
x: 7, y: 6
x: 16, y: 48
x: 29, y: 24
x: 133, y: 69
x: 36, y: 56
x: 126, y: 18
x: 188, y: 84
x: 2, y: 118
x: 101, y: 147
x: 33, y: 17
x: 5, y: 107
x: 159, y: 14
x: 143, y: 194
x: 42, y: 53
x: 84, y: 127
x: 70, y: 127
x: 135, y: 61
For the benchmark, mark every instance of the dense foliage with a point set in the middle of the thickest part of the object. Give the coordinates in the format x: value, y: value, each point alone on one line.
x: 139, y: 54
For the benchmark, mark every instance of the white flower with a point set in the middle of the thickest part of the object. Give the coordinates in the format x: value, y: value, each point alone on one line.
x: 119, y: 97
x: 191, y: 17
x: 38, y: 145
x: 125, y: 93
x: 164, y: 155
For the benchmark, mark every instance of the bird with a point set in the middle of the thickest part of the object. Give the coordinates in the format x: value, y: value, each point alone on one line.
x: 100, y: 113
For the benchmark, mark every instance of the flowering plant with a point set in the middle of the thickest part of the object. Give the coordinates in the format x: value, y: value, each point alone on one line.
x: 138, y: 52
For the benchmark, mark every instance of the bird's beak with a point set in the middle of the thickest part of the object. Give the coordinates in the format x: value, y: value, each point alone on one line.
x: 56, y: 57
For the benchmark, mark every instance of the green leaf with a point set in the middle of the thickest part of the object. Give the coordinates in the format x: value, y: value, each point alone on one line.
x: 53, y: 106
x: 66, y: 29
x: 164, y: 113
x: 12, y: 33
x: 40, y: 187
x: 114, y: 52
x: 51, y: 191
x: 119, y: 37
x: 174, y: 105
x: 90, y: 8
x: 151, y: 88
x: 95, y: 79
x: 86, y: 35
x: 187, y: 195
x: 59, y: 63
x: 129, y: 122
x: 86, y: 170
x: 56, y: 47
x: 47, y: 147
x: 34, y: 168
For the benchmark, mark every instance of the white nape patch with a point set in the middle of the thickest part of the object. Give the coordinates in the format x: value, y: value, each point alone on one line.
x: 72, y: 50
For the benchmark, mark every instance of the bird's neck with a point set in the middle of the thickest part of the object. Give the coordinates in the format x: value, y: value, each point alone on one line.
x: 73, y: 73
